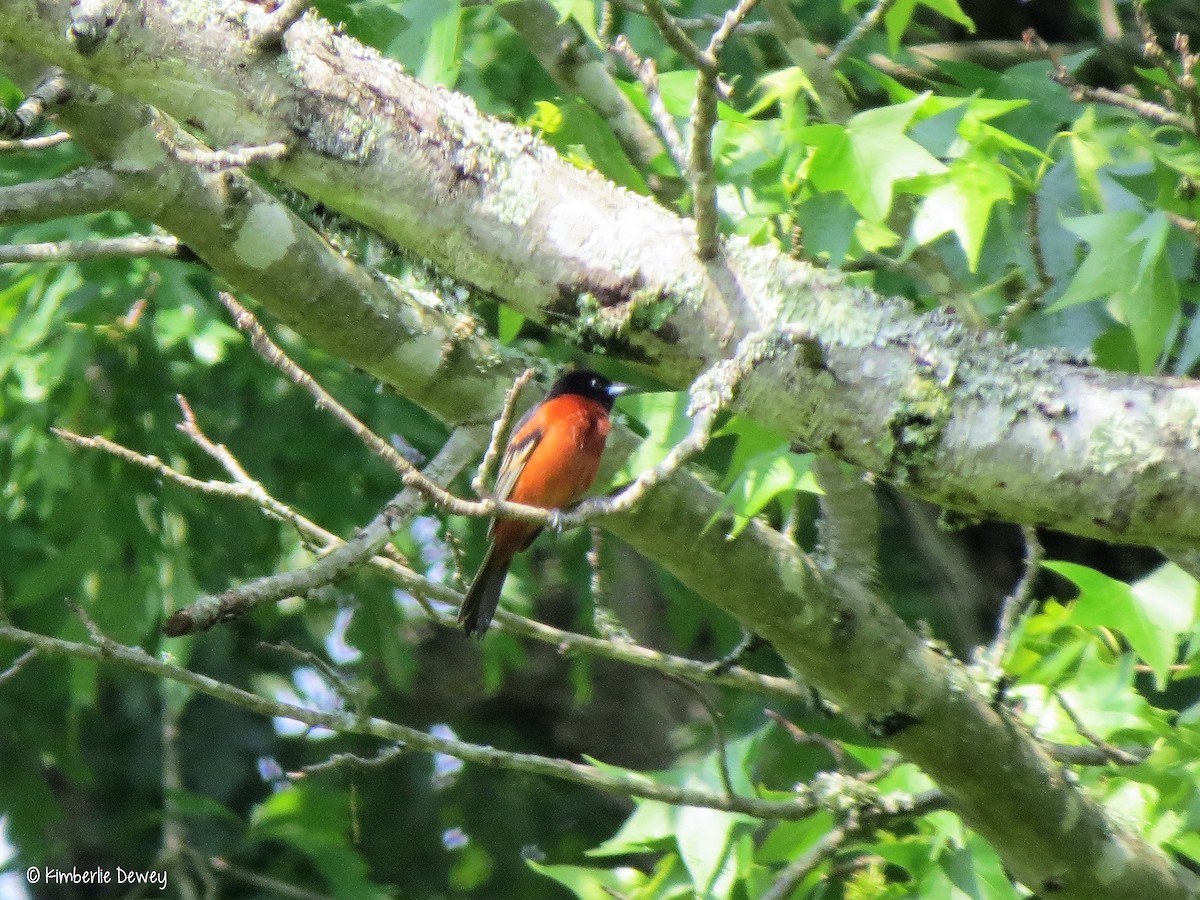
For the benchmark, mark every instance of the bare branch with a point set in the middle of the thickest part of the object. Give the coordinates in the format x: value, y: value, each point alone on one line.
x: 796, y: 871
x: 343, y: 760
x: 24, y: 120
x: 704, y: 120
x: 861, y: 29
x: 150, y: 245
x: 272, y: 887
x: 700, y: 23
x: 1151, y: 112
x: 646, y: 71
x: 35, y: 143
x: 18, y: 664
x: 1077, y: 755
x: 1018, y: 601
x: 323, y: 542
x: 232, y: 158
x: 629, y: 784
x: 674, y: 35
x: 484, y: 473
x: 236, y: 602
x: 718, y: 731
x: 1115, y: 754
x: 273, y: 353
x: 79, y: 193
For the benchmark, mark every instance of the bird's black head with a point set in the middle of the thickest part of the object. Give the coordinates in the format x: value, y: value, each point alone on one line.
x: 589, y: 384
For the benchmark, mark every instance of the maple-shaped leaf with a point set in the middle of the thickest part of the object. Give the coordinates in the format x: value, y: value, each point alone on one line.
x: 961, y: 201
x: 1128, y: 261
x: 867, y: 157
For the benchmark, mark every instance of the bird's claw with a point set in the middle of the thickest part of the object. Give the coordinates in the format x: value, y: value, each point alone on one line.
x: 556, y: 521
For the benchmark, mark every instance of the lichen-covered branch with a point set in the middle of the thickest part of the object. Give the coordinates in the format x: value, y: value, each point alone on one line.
x: 947, y: 413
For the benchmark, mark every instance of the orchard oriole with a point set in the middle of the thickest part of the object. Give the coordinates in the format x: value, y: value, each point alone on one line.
x: 550, y: 461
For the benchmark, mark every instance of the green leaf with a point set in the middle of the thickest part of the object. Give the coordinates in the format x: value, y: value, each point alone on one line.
x: 583, y: 12
x: 765, y: 477
x: 898, y: 17
x: 580, y: 135
x: 961, y: 201
x: 1152, y: 614
x: 587, y: 883
x: 1127, y: 260
x: 509, y: 324
x: 973, y: 872
x: 316, y: 822
x: 666, y: 422
x: 866, y: 158
x: 429, y: 43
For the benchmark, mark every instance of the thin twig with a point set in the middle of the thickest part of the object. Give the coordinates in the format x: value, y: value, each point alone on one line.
x: 22, y: 121
x: 272, y: 887
x: 343, y: 760
x: 232, y: 158
x: 1032, y: 298
x: 1110, y: 21
x: 236, y: 602
x: 646, y: 71
x: 606, y: 779
x: 704, y: 120
x: 604, y: 618
x: 1145, y: 109
x: 173, y: 830
x: 134, y: 247
x: 800, y: 736
x: 1116, y: 754
x: 700, y: 23
x: 861, y: 29
x: 674, y: 35
x: 748, y: 644
x: 156, y: 465
x: 323, y: 542
x: 351, y: 696
x: 714, y: 717
x: 710, y: 393
x: 1078, y: 755
x: 190, y: 427
x: 18, y: 664
x: 800, y: 868
x: 35, y: 143
x: 274, y: 354
x: 1016, y: 602
x: 483, y: 474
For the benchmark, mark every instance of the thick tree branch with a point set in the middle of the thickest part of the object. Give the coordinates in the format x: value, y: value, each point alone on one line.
x: 579, y: 69
x: 959, y: 414
x: 79, y: 193
x: 950, y: 414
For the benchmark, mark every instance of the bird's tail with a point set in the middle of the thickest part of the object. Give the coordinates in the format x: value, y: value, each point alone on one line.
x: 483, y: 596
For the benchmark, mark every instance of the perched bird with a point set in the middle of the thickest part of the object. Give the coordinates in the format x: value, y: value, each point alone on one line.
x: 551, y: 460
